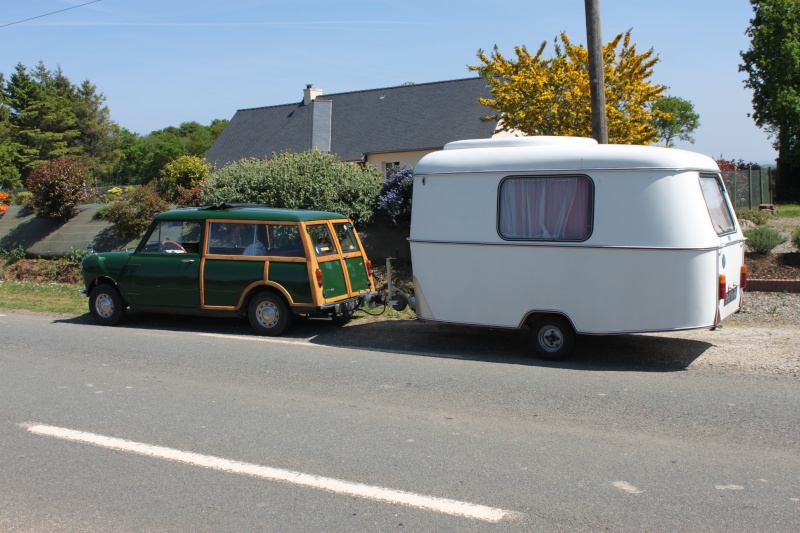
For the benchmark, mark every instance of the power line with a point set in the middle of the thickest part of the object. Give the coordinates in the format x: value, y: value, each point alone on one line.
x: 48, y: 14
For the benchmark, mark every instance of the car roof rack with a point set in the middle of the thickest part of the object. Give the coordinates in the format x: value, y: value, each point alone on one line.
x: 225, y: 205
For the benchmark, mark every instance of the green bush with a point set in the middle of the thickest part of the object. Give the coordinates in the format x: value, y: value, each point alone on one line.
x: 13, y: 255
x: 24, y: 199
x: 763, y: 240
x: 753, y: 215
x: 131, y: 214
x: 58, y: 186
x: 796, y: 238
x: 309, y: 180
x: 180, y: 174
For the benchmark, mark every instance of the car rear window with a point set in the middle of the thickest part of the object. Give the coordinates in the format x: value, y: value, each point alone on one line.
x: 718, y: 210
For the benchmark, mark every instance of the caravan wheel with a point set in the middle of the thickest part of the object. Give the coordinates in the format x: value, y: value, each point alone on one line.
x: 552, y: 337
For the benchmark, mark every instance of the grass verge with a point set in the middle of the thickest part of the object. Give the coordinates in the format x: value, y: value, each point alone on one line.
x: 788, y: 211
x: 43, y: 297
x: 65, y: 299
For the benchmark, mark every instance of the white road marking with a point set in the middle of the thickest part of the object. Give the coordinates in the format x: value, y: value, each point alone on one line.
x: 728, y: 487
x: 431, y: 503
x: 627, y: 487
x: 258, y: 339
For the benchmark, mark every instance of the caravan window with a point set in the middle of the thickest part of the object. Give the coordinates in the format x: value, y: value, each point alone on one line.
x: 558, y: 208
x: 714, y: 195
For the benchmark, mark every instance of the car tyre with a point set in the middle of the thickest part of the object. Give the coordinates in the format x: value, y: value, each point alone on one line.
x: 268, y: 314
x: 106, y: 305
x: 552, y: 337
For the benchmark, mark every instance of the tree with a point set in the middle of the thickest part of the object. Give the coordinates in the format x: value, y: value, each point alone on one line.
x: 144, y: 157
x: 772, y: 64
x: 552, y: 96
x: 676, y: 119
x: 99, y: 136
x: 10, y: 176
x: 44, y: 116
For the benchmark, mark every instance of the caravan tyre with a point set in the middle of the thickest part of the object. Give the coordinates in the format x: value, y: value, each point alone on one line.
x: 552, y: 337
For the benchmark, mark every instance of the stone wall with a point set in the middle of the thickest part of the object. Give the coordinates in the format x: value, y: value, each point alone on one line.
x: 41, y: 237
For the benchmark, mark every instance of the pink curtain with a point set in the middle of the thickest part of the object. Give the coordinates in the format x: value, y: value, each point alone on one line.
x: 546, y: 208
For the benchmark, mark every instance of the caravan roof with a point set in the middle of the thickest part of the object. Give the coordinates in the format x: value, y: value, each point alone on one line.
x: 556, y: 154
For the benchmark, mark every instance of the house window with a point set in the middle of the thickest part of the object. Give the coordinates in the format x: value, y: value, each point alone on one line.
x: 390, y: 167
x: 558, y: 208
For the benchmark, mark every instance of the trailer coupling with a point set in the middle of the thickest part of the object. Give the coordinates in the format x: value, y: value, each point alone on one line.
x: 394, y: 296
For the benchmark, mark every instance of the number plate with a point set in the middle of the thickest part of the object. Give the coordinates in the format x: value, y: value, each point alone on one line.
x: 731, y: 295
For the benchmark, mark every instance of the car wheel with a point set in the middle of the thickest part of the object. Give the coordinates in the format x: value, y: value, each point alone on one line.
x: 105, y: 305
x: 552, y: 337
x: 268, y: 314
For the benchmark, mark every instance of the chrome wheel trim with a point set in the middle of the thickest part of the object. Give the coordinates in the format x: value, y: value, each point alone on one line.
x: 104, y: 305
x: 551, y: 338
x: 267, y: 314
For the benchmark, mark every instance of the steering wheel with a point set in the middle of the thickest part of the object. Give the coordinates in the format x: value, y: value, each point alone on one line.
x: 172, y: 247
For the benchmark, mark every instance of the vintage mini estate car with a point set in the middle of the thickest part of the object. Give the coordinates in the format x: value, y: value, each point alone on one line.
x: 235, y: 260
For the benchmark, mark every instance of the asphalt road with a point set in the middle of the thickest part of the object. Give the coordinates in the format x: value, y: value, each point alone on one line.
x: 176, y: 424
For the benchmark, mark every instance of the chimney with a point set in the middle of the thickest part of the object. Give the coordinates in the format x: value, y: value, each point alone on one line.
x: 321, y: 113
x: 310, y: 94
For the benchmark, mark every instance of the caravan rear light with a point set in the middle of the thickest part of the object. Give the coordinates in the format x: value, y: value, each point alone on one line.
x: 743, y: 277
x: 369, y: 268
x: 723, y: 287
x: 318, y: 272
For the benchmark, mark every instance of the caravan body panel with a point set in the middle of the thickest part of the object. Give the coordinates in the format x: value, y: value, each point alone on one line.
x: 643, y: 255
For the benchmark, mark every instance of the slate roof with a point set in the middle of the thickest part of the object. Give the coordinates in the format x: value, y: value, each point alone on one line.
x: 407, y: 118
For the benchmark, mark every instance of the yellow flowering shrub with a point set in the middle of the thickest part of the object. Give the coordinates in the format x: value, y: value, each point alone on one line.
x: 541, y: 96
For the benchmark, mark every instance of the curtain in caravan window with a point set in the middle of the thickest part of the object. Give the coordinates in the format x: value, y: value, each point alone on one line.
x: 551, y: 209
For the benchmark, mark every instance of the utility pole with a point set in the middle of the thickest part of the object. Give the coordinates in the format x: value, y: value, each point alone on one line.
x: 597, y: 83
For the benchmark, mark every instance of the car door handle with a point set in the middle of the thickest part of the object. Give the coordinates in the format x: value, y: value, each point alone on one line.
x: 187, y: 260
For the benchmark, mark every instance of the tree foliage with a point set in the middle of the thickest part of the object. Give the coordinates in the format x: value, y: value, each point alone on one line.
x: 772, y: 64
x: 44, y: 116
x: 58, y: 186
x: 308, y: 180
x: 541, y: 96
x: 675, y: 119
x: 145, y: 156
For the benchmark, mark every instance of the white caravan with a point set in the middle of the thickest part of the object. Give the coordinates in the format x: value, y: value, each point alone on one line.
x: 568, y: 236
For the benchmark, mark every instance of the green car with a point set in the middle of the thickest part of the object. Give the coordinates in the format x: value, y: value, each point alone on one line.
x: 233, y: 260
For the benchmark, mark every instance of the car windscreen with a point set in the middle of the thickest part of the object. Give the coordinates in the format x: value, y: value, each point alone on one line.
x: 714, y: 195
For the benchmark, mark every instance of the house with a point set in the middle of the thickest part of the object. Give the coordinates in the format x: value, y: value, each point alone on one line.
x: 393, y: 126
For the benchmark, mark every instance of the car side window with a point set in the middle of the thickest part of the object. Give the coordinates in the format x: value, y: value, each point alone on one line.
x: 285, y: 241
x: 173, y: 237
x: 236, y: 238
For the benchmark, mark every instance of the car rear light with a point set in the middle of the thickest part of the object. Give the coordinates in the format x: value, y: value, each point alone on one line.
x: 318, y: 272
x: 723, y: 287
x: 743, y: 277
x: 369, y: 268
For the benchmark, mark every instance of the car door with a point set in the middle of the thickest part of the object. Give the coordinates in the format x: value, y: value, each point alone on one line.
x: 334, y: 280
x: 164, y: 271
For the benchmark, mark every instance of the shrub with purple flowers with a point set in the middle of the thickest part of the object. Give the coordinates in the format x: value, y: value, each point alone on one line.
x: 58, y: 186
x: 394, y: 200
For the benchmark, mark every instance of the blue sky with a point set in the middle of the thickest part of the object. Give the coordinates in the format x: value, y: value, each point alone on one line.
x: 163, y: 62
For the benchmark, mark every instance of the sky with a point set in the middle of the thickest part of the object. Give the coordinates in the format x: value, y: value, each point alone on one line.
x: 163, y: 62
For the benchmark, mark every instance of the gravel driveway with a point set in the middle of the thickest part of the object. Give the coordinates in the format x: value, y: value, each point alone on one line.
x: 764, y: 337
